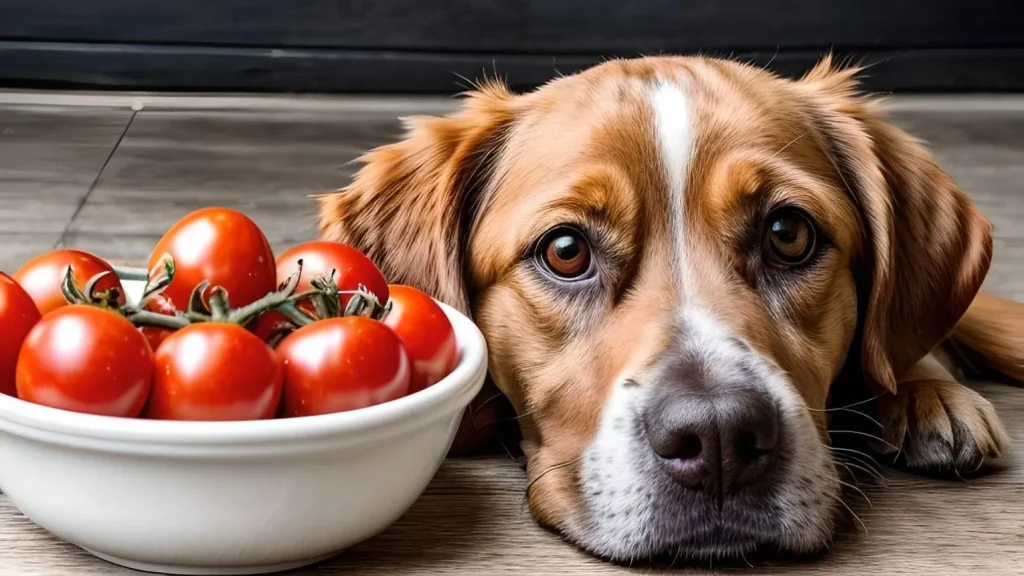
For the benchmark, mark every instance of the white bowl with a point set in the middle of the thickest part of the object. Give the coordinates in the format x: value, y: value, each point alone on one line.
x: 232, y: 497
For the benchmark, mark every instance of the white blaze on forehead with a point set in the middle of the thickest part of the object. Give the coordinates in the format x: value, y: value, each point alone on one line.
x: 673, y: 116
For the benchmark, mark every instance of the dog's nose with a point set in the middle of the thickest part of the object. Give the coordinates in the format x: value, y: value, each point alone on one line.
x: 719, y: 442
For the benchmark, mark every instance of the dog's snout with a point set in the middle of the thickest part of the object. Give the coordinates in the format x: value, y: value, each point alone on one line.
x: 719, y: 443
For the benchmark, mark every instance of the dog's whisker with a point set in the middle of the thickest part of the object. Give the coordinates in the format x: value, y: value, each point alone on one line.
x: 858, y: 413
x: 744, y: 557
x: 860, y: 403
x: 550, y: 469
x: 859, y: 491
x: 873, y: 473
x: 861, y: 457
x: 788, y: 144
x: 865, y: 434
x: 848, y: 470
x: 506, y: 420
x: 855, y: 517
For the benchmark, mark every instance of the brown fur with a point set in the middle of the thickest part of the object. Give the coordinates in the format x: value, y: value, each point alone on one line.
x: 455, y: 206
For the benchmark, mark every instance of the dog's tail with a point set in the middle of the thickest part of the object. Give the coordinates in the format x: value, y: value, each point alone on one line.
x: 992, y: 332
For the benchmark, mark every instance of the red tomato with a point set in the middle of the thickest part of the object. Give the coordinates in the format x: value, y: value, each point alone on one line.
x: 342, y: 364
x: 18, y: 314
x: 154, y: 334
x: 43, y: 275
x: 215, y: 371
x: 86, y: 359
x: 427, y: 334
x: 219, y: 245
x: 351, y: 268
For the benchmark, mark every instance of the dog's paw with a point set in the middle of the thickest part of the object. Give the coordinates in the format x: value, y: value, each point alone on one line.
x: 940, y: 426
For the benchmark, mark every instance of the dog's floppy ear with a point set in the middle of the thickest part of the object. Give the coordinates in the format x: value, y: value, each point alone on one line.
x: 409, y: 205
x: 927, y: 247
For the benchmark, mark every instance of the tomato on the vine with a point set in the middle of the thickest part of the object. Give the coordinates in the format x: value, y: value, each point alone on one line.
x: 86, y: 359
x: 214, y: 371
x: 427, y: 334
x: 43, y: 276
x: 350, y: 266
x: 351, y: 269
x: 155, y: 335
x: 18, y: 314
x: 341, y: 364
x: 221, y: 246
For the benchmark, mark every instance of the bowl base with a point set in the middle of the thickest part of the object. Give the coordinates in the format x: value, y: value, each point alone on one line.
x: 217, y: 571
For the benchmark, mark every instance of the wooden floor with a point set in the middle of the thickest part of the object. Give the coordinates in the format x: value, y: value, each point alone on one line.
x: 97, y: 172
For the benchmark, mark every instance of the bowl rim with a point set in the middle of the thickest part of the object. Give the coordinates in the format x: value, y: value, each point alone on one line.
x: 453, y: 393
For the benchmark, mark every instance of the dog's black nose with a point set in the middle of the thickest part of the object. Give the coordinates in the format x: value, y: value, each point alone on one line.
x: 716, y: 442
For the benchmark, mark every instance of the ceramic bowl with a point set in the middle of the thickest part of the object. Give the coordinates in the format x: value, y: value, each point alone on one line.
x: 232, y: 497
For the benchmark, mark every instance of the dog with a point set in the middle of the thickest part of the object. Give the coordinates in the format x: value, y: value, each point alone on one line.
x: 678, y: 264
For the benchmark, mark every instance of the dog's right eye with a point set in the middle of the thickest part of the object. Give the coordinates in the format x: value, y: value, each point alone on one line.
x: 565, y: 253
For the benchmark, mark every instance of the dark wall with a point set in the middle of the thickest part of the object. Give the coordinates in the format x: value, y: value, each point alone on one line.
x: 425, y: 45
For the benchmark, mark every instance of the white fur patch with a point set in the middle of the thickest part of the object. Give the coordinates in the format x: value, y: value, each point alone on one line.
x: 673, y: 116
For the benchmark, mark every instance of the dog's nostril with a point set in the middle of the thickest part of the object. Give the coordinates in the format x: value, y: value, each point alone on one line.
x: 689, y: 448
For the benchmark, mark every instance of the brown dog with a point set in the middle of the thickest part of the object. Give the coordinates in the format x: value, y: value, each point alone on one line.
x: 676, y: 263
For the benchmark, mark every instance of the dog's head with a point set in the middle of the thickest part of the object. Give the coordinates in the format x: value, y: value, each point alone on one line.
x: 673, y: 260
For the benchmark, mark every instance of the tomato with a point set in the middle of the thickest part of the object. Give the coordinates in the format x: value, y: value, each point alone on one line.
x: 86, y: 359
x: 351, y: 268
x: 222, y: 246
x: 215, y: 371
x: 427, y: 334
x: 155, y: 335
x: 18, y: 314
x: 43, y: 275
x: 342, y: 364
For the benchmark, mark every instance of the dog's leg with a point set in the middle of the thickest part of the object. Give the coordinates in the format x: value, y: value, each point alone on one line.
x: 936, y: 424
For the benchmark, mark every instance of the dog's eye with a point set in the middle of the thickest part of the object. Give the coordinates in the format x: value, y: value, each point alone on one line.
x: 565, y: 252
x: 790, y: 237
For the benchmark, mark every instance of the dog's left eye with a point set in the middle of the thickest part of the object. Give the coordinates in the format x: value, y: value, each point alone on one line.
x: 565, y: 253
x: 790, y: 237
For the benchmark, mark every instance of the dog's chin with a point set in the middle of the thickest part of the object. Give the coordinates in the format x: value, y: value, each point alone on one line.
x: 630, y: 510
x: 673, y: 528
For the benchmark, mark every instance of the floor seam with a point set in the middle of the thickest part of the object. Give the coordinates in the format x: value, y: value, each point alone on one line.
x: 95, y: 182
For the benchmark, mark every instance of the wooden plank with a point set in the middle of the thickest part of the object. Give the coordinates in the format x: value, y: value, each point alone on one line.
x: 49, y: 158
x: 265, y: 164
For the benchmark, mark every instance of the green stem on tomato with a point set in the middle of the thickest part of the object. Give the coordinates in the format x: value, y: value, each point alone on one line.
x: 154, y: 287
x: 147, y: 318
x: 70, y: 289
x: 220, y: 305
x: 293, y: 314
x: 130, y: 274
x: 269, y: 302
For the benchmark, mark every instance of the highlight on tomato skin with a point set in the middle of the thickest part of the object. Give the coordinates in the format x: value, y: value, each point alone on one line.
x: 214, y: 371
x: 221, y: 246
x: 426, y: 333
x: 18, y: 314
x: 43, y: 275
x: 85, y: 359
x: 342, y: 364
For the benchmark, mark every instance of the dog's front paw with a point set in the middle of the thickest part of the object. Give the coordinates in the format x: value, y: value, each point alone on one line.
x: 940, y: 426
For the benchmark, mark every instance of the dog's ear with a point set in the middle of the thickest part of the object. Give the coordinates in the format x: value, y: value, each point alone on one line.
x: 409, y: 206
x: 927, y: 248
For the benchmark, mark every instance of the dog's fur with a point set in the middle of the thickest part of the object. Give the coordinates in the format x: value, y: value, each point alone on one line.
x: 670, y: 167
